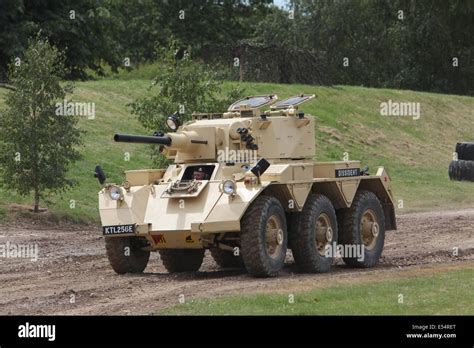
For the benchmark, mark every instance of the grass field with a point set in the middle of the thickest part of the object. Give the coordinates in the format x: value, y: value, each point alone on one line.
x: 415, y: 152
x: 447, y: 293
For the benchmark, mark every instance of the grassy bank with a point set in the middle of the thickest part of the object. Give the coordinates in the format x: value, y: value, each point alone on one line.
x: 415, y: 152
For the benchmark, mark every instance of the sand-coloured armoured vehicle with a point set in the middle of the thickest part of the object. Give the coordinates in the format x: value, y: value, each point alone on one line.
x: 245, y: 186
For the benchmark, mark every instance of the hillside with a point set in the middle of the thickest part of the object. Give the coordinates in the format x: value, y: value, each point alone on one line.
x: 415, y: 152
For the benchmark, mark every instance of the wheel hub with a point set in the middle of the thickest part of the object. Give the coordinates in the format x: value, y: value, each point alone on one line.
x: 274, y: 236
x: 369, y: 229
x: 279, y: 236
x: 323, y: 233
x: 329, y: 234
x: 375, y: 229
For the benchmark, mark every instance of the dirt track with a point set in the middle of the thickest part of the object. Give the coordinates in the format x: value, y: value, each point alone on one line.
x: 72, y: 266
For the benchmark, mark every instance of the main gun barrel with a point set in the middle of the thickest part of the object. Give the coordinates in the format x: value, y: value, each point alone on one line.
x: 143, y: 139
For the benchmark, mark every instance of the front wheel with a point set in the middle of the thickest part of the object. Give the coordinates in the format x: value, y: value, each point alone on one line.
x: 126, y: 254
x: 264, y: 237
x: 362, y: 230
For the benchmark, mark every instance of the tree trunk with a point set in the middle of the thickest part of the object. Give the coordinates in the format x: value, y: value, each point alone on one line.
x: 37, y: 200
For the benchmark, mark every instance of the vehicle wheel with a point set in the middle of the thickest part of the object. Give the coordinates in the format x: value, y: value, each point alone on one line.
x: 316, y: 231
x: 182, y: 260
x: 226, y: 258
x: 126, y: 254
x: 264, y: 237
x: 363, y: 229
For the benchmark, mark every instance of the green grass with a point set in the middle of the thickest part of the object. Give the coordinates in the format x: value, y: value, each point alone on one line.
x: 448, y: 293
x: 416, y: 153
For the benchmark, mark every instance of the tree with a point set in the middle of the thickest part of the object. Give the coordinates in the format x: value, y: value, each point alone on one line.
x: 14, y: 31
x: 182, y: 86
x: 82, y: 29
x: 36, y: 144
x: 103, y: 33
x: 139, y: 27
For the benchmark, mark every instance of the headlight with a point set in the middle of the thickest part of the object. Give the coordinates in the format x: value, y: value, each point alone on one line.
x: 228, y: 187
x: 115, y: 193
x: 173, y: 122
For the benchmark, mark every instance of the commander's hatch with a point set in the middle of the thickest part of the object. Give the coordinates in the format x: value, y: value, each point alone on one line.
x: 250, y: 106
x: 292, y: 102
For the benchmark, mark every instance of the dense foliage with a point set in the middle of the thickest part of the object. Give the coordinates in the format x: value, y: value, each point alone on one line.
x: 413, y: 44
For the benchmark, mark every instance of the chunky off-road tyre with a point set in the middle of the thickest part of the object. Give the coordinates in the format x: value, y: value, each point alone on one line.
x: 465, y: 151
x: 126, y: 255
x: 182, y: 260
x: 312, y: 240
x: 461, y: 170
x: 362, y: 225
x: 226, y: 258
x: 264, y: 237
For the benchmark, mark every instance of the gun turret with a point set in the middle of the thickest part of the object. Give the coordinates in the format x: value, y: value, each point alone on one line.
x: 279, y: 133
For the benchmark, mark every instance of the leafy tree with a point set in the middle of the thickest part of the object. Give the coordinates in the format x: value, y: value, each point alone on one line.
x: 139, y: 27
x: 82, y: 29
x: 96, y: 33
x: 36, y: 144
x: 14, y: 31
x: 416, y: 52
x: 183, y: 86
x: 198, y: 23
x: 397, y: 43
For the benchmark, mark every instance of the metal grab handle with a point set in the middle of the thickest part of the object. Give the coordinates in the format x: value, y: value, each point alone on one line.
x: 178, y: 185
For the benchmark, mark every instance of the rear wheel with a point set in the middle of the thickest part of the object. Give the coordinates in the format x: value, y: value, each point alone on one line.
x: 362, y: 230
x: 264, y: 237
x: 182, y: 260
x: 316, y: 231
x: 226, y: 258
x: 126, y: 255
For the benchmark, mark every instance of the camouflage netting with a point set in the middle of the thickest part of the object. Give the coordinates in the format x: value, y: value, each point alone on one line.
x: 261, y: 63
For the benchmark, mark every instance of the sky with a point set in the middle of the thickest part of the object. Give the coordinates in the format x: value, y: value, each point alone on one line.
x: 280, y: 3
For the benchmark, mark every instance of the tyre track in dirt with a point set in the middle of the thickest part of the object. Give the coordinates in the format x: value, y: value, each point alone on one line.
x: 73, y: 276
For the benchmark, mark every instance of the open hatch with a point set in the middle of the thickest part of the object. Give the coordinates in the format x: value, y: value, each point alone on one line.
x: 292, y: 102
x: 255, y: 102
